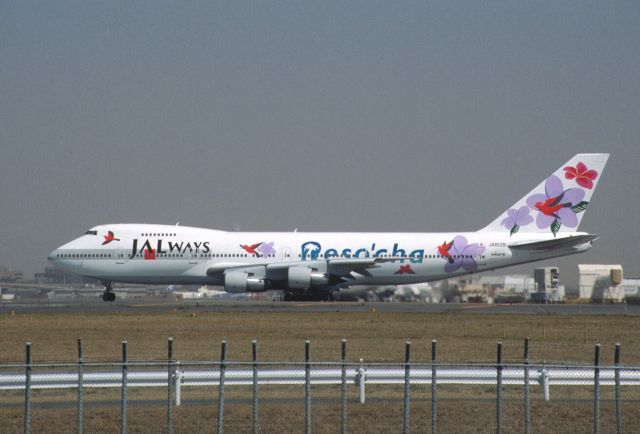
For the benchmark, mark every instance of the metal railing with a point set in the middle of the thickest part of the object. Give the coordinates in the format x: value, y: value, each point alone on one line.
x: 207, y: 374
x: 520, y: 393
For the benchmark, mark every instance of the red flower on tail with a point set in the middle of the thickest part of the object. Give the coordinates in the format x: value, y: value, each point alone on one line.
x: 583, y: 176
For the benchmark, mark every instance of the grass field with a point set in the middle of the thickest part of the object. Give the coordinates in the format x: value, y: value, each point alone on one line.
x: 372, y: 336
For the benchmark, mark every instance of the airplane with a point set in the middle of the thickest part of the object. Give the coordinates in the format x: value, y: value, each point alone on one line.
x: 313, y: 265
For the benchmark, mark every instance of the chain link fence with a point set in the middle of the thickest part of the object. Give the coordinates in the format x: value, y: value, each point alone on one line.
x: 345, y: 396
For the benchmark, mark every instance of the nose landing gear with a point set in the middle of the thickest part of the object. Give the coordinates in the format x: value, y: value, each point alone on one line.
x: 108, y: 294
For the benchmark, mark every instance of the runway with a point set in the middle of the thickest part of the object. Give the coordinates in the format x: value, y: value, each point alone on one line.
x: 156, y: 305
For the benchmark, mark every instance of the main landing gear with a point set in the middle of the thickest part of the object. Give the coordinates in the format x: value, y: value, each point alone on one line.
x: 108, y: 294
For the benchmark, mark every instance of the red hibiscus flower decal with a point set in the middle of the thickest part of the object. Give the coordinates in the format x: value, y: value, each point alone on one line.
x: 405, y: 269
x: 583, y: 176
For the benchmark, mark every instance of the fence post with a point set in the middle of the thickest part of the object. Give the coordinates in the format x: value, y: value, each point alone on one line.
x: 617, y: 377
x: 123, y: 397
x: 170, y: 384
x: 343, y: 390
x: 434, y: 390
x: 361, y: 378
x: 307, y: 383
x: 254, y: 351
x: 223, y: 363
x: 527, y: 403
x: 178, y: 383
x: 407, y: 379
x: 596, y: 391
x: 27, y: 390
x: 80, y: 387
x: 499, y: 389
x: 544, y: 381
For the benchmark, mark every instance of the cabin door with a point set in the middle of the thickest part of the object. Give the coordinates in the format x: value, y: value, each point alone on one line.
x: 481, y: 256
x: 121, y: 256
x: 285, y: 254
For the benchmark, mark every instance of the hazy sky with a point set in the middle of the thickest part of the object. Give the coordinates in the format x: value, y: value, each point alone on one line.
x: 345, y: 115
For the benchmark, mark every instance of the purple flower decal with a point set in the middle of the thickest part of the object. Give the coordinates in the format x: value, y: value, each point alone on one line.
x: 462, y: 255
x: 266, y: 249
x: 516, y: 218
x: 557, y: 206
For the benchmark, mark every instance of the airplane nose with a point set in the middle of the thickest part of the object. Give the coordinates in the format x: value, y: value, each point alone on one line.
x: 53, y: 255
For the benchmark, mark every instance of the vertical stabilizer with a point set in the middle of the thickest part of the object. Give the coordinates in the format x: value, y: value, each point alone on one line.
x: 558, y: 203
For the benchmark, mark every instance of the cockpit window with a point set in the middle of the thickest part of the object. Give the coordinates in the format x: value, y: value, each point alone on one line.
x: 91, y: 233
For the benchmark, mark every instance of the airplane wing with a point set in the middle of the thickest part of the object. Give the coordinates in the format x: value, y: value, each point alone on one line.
x: 221, y: 267
x: 335, y: 266
x: 556, y: 243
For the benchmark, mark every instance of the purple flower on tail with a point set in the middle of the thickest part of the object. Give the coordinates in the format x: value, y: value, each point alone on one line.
x: 516, y: 218
x: 557, y: 206
x: 463, y: 255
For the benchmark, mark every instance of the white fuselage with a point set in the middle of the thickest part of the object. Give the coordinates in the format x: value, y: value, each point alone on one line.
x: 542, y: 224
x: 162, y: 254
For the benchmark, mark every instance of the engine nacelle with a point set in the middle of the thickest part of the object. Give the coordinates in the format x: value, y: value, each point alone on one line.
x: 305, y: 278
x: 241, y: 281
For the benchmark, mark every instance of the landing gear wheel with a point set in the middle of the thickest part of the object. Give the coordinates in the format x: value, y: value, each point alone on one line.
x: 108, y: 294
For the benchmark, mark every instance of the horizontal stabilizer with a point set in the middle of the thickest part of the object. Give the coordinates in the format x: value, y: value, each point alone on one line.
x: 556, y: 243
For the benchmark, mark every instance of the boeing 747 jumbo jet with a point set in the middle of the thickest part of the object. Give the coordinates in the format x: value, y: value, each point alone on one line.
x: 312, y: 265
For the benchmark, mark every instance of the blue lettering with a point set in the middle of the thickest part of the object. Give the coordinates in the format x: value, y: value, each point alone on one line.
x: 398, y: 252
x: 357, y: 253
x: 417, y: 256
x: 310, y: 250
x: 331, y: 253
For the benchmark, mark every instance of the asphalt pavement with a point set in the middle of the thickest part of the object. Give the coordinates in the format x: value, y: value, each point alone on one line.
x: 155, y: 305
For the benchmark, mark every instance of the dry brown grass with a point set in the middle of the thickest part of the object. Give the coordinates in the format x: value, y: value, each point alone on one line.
x: 371, y: 336
x: 374, y: 337
x: 379, y: 414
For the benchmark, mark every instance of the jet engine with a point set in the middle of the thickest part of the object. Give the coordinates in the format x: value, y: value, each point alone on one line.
x: 305, y: 278
x: 242, y: 281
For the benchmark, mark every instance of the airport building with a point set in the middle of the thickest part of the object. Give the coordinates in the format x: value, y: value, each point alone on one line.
x: 547, y: 285
x: 599, y: 283
x: 54, y: 275
x: 510, y: 288
x: 631, y: 287
x: 9, y: 275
